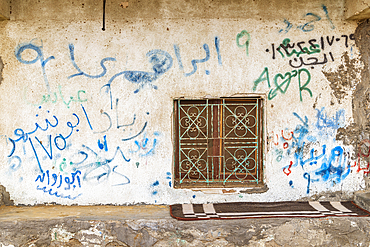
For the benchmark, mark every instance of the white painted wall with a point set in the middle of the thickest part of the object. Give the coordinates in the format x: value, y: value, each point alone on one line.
x: 85, y: 115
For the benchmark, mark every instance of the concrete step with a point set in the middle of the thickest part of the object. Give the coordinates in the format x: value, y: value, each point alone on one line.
x: 362, y: 199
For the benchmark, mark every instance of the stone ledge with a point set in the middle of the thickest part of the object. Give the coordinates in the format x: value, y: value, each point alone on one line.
x: 331, y: 231
x: 47, y: 212
x: 362, y: 199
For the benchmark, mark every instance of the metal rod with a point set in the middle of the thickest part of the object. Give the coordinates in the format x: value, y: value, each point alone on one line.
x: 104, y: 2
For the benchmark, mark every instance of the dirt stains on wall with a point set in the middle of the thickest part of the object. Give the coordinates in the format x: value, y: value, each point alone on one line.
x: 345, y: 77
x: 360, y: 128
x: 1, y: 70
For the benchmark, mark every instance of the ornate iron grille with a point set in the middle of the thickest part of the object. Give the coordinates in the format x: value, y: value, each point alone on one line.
x: 218, y: 142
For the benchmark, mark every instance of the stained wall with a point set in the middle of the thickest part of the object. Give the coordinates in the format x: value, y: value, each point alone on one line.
x: 88, y: 119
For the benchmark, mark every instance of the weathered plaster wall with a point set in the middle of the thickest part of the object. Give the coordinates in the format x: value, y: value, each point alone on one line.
x: 4, y: 10
x: 69, y: 138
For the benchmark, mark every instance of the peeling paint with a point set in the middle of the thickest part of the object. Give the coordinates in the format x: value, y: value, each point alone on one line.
x: 346, y: 77
x: 359, y: 129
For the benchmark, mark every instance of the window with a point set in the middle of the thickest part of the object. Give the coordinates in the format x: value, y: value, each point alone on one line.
x: 218, y: 142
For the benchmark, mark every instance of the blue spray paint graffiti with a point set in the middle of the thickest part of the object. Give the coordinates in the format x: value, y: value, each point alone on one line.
x: 161, y: 62
x: 51, y: 97
x: 45, y: 143
x: 333, y: 167
x: 103, y: 145
x: 143, y: 146
x: 308, y: 27
x: 155, y: 184
x: 194, y: 62
x: 59, y: 141
x: 72, y: 56
x: 99, y: 169
x: 40, y: 56
x: 124, y: 125
x: 69, y: 184
x: 335, y: 122
x: 168, y: 177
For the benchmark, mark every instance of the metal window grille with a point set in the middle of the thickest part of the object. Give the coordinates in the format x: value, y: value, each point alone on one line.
x: 218, y: 142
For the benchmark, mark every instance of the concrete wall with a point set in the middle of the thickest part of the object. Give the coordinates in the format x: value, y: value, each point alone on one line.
x: 60, y: 121
x: 4, y: 10
x: 357, y: 10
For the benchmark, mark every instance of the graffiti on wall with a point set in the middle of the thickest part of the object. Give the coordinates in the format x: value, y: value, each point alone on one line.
x: 245, y: 44
x: 69, y: 168
x: 319, y: 164
x: 63, y: 168
x: 297, y: 54
x: 361, y: 163
x: 194, y: 62
x: 282, y: 82
x: 302, y: 53
x: 310, y: 25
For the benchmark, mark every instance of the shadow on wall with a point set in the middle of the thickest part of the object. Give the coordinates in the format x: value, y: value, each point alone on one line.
x: 5, y: 197
x: 1, y: 70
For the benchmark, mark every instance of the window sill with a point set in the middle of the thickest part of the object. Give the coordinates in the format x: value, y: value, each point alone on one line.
x: 231, y: 191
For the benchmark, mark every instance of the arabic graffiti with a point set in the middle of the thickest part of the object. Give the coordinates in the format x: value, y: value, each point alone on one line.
x: 59, y: 140
x: 194, y: 62
x: 53, y: 97
x: 246, y: 43
x: 169, y: 178
x: 50, y: 97
x: 283, y: 86
x: 274, y: 139
x: 145, y: 147
x: 91, y: 165
x: 333, y: 169
x: 329, y: 123
x: 161, y: 62
x: 315, y: 46
x: 154, y: 185
x: 54, y: 183
x: 309, y: 26
x: 363, y: 153
x: 318, y: 164
x: 80, y: 72
x: 40, y: 57
x: 97, y: 168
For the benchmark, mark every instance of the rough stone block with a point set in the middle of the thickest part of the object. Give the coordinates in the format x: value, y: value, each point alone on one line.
x: 362, y: 199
